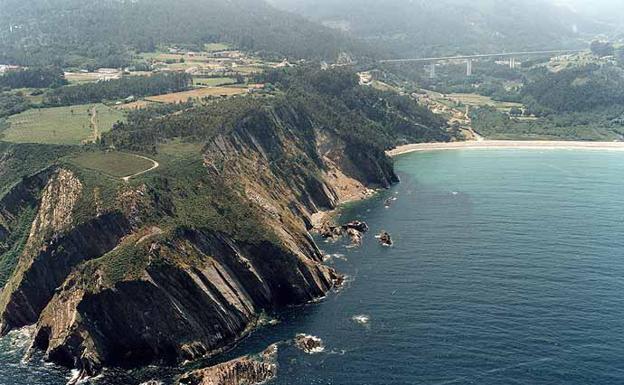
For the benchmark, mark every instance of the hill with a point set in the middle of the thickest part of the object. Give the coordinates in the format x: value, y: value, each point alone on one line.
x: 106, y: 33
x: 428, y: 28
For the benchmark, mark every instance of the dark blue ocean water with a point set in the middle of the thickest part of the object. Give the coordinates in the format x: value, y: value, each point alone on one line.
x: 508, y: 268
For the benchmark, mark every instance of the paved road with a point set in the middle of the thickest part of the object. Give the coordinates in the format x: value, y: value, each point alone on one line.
x: 491, y: 55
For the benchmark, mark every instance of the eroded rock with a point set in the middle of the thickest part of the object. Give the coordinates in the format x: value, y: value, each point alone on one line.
x: 247, y: 370
x: 309, y: 344
x: 385, y: 239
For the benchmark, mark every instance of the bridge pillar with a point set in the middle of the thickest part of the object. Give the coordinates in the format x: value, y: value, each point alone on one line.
x: 469, y: 67
x: 432, y: 71
x: 512, y: 63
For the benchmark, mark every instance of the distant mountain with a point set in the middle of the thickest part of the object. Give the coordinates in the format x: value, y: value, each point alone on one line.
x: 425, y: 27
x: 107, y: 32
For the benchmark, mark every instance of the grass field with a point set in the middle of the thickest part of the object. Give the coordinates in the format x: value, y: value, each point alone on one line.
x: 116, y: 164
x: 60, y: 125
x: 179, y: 97
x: 215, y: 47
x: 212, y: 82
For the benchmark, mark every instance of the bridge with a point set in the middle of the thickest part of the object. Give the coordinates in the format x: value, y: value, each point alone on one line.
x: 432, y: 61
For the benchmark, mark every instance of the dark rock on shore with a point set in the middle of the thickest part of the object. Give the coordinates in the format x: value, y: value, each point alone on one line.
x: 359, y: 226
x: 247, y: 370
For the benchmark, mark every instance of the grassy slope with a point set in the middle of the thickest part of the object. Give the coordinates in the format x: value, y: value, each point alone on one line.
x: 117, y: 164
x: 60, y: 125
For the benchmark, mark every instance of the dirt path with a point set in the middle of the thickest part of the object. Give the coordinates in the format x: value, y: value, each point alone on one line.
x: 154, y: 167
x: 94, y: 126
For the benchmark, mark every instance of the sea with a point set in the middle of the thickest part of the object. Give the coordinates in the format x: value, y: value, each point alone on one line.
x: 507, y: 268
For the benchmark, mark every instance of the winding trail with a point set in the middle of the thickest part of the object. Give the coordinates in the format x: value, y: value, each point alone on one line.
x: 154, y: 167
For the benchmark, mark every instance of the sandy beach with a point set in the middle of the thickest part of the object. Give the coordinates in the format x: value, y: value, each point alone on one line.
x: 502, y: 144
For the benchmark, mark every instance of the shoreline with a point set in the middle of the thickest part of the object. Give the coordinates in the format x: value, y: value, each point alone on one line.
x: 507, y: 144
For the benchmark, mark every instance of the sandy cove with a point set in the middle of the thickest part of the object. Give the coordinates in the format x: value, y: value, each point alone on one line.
x: 506, y: 144
x: 353, y: 191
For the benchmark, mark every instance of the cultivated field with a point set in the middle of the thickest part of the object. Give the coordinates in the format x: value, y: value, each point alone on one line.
x: 199, y: 93
x: 113, y: 163
x: 61, y: 125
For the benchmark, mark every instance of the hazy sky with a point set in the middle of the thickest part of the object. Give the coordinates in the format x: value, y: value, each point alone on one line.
x: 606, y: 8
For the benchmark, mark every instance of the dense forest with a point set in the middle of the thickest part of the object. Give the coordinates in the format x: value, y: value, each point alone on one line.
x: 125, y: 87
x: 105, y: 33
x: 39, y: 77
x: 11, y: 104
x: 445, y: 27
x: 577, y: 89
x: 331, y: 99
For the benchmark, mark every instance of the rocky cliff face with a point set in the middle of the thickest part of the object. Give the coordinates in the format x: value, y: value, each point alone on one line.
x: 53, y: 248
x: 173, y: 312
x: 248, y: 370
x: 137, y: 284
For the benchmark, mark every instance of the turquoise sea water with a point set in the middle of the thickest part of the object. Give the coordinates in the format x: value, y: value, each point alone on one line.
x: 508, y: 268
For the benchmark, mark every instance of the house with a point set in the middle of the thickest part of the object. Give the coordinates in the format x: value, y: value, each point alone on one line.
x: 8, y: 67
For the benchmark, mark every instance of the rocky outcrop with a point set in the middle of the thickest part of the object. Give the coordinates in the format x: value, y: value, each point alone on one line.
x: 247, y: 370
x: 385, y: 239
x: 309, y: 344
x: 354, y: 230
x: 172, y: 313
x: 112, y: 291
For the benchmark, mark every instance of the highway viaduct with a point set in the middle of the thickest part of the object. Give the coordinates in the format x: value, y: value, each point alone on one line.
x: 432, y: 61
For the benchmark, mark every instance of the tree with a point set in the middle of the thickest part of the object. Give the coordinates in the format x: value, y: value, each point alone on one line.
x: 602, y: 48
x: 515, y: 111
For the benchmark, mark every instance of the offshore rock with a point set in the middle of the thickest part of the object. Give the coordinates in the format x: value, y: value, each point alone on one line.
x: 360, y: 226
x: 385, y: 239
x: 247, y: 370
x: 309, y: 344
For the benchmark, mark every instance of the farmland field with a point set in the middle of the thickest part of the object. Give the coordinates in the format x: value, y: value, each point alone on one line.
x: 179, y: 97
x: 116, y: 164
x: 60, y: 125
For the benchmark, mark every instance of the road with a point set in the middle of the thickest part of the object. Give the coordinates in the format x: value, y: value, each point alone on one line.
x: 480, y: 56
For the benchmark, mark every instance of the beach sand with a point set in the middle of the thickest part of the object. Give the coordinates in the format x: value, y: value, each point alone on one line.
x: 502, y: 144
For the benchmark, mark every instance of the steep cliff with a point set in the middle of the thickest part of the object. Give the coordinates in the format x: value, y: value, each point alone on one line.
x: 176, y: 292
x: 180, y: 263
x: 54, y: 246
